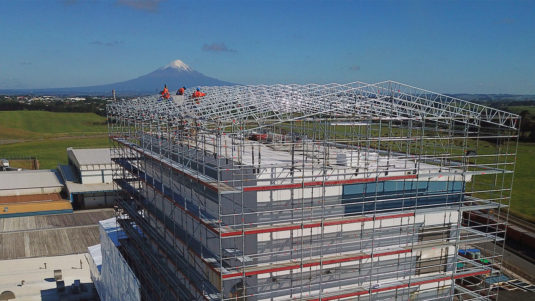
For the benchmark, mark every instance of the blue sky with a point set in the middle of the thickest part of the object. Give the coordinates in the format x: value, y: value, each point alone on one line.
x: 452, y: 47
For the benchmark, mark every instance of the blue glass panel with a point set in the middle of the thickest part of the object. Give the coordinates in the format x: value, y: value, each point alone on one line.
x: 394, y: 195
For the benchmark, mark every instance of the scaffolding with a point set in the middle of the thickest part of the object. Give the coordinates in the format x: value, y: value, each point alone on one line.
x: 313, y: 192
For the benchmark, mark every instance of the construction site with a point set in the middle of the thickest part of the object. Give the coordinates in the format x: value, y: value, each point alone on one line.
x: 312, y: 192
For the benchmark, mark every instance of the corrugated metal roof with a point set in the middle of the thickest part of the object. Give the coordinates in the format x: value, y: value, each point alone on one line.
x: 91, y: 155
x: 49, y: 242
x: 50, y: 235
x: 29, y: 179
x: 25, y: 198
x: 40, y: 222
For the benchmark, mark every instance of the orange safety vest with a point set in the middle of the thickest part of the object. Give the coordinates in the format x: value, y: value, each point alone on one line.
x: 165, y: 93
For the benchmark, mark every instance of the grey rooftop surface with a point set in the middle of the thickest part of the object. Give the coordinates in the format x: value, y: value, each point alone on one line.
x: 50, y: 242
x: 91, y: 155
x: 50, y: 235
x: 41, y: 222
x: 29, y: 179
x: 39, y: 284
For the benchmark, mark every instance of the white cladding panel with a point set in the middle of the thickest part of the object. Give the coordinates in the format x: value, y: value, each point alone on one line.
x: 426, y: 219
x: 116, y: 281
x: 96, y: 176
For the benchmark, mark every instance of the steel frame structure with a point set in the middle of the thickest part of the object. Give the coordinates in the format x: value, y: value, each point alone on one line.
x: 312, y: 192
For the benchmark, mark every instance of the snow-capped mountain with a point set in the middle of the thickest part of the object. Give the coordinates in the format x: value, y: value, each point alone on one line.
x: 178, y: 65
x: 175, y: 74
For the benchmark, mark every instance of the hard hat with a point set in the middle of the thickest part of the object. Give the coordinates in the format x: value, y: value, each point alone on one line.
x: 184, y: 87
x: 198, y: 89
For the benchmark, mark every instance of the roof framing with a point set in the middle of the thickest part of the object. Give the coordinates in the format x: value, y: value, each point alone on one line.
x: 268, y: 104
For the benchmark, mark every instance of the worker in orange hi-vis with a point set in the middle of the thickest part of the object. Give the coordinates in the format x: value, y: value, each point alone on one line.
x: 197, y: 94
x: 165, y: 92
x: 181, y: 91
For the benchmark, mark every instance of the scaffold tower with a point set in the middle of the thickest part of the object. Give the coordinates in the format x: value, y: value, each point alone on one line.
x: 313, y: 192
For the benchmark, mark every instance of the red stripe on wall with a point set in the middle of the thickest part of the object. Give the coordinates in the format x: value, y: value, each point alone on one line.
x: 365, y: 292
x: 315, y: 225
x: 315, y: 263
x: 328, y: 183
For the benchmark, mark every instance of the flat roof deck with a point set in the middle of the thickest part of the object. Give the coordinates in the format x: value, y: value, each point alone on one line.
x: 77, y: 218
x: 11, y: 210
x: 27, y: 179
x: 39, y: 282
x: 89, y: 156
x: 50, y: 235
x: 30, y: 198
x: 308, y: 154
x: 50, y: 242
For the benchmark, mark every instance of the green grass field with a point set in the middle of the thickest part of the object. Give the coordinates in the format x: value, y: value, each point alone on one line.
x: 40, y: 124
x: 523, y: 200
x: 50, y: 153
x: 46, y: 135
x: 518, y: 109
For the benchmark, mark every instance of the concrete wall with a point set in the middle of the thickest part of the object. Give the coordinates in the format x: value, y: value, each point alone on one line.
x: 116, y: 280
x: 97, y: 199
x: 96, y: 176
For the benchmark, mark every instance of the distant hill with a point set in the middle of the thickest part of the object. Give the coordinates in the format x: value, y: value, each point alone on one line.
x: 175, y: 74
x: 492, y: 97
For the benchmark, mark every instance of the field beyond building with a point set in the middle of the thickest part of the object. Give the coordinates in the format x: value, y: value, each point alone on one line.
x: 46, y: 135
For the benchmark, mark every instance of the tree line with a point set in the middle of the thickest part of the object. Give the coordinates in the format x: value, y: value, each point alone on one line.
x: 527, y: 122
x: 96, y: 106
x: 527, y: 126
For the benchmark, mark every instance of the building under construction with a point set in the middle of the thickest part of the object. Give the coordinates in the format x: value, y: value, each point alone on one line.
x: 312, y: 192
